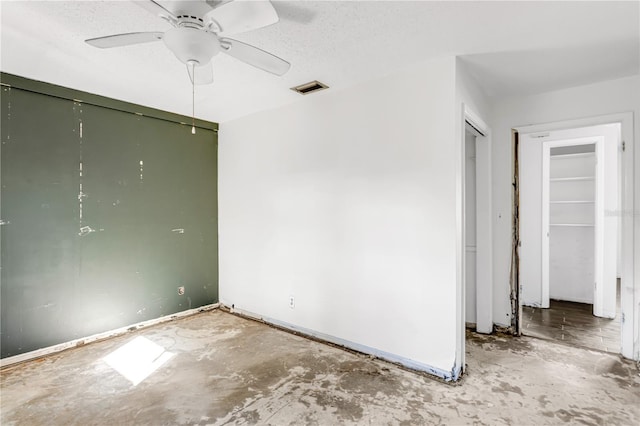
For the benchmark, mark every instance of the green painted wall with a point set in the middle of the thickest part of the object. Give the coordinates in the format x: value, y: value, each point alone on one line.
x: 108, y: 208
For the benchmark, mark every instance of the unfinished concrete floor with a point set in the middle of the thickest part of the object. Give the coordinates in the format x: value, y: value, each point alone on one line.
x: 229, y: 370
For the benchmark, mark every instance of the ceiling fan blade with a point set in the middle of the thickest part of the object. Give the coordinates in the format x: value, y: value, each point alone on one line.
x: 294, y: 12
x: 203, y: 74
x: 127, y: 39
x: 254, y: 56
x: 155, y: 8
x: 239, y: 16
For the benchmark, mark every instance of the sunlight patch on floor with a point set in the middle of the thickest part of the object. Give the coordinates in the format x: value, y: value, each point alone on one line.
x: 138, y: 359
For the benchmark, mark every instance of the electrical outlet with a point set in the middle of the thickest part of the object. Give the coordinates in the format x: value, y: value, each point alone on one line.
x: 292, y: 302
x: 181, y: 290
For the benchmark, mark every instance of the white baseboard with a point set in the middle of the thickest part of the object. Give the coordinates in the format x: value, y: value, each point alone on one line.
x: 452, y: 375
x: 101, y: 336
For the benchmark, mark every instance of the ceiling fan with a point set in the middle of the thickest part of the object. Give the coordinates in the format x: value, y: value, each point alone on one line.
x: 199, y: 30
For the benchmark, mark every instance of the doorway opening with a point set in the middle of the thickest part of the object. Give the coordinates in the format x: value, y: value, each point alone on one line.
x: 470, y: 225
x: 474, y: 275
x: 478, y: 312
x: 570, y: 237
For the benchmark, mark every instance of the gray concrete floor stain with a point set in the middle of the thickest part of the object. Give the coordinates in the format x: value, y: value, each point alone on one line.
x: 230, y: 370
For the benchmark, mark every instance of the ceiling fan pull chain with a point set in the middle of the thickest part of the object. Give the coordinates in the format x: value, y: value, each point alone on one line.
x: 193, y: 98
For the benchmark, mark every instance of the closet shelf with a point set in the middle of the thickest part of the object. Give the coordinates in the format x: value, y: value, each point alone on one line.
x: 569, y: 156
x: 572, y: 179
x: 572, y: 224
x: 572, y: 202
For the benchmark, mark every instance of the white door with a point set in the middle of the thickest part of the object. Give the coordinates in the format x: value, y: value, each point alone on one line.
x: 534, y: 228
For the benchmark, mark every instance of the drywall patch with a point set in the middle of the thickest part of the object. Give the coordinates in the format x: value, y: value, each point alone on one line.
x: 86, y: 230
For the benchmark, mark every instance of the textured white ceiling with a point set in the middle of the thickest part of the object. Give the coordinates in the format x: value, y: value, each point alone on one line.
x: 513, y: 48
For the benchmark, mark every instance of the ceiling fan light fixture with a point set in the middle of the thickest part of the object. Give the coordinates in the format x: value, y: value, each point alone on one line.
x: 192, y: 45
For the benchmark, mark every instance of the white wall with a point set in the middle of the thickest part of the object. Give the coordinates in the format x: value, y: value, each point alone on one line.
x: 603, y: 98
x: 346, y: 200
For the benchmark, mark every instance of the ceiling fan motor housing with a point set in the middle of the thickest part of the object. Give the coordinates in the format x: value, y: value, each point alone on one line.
x: 192, y: 45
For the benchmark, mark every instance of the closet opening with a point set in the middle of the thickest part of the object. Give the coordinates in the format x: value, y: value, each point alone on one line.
x: 570, y: 241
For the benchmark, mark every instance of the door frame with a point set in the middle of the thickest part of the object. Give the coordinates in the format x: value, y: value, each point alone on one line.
x: 629, y: 288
